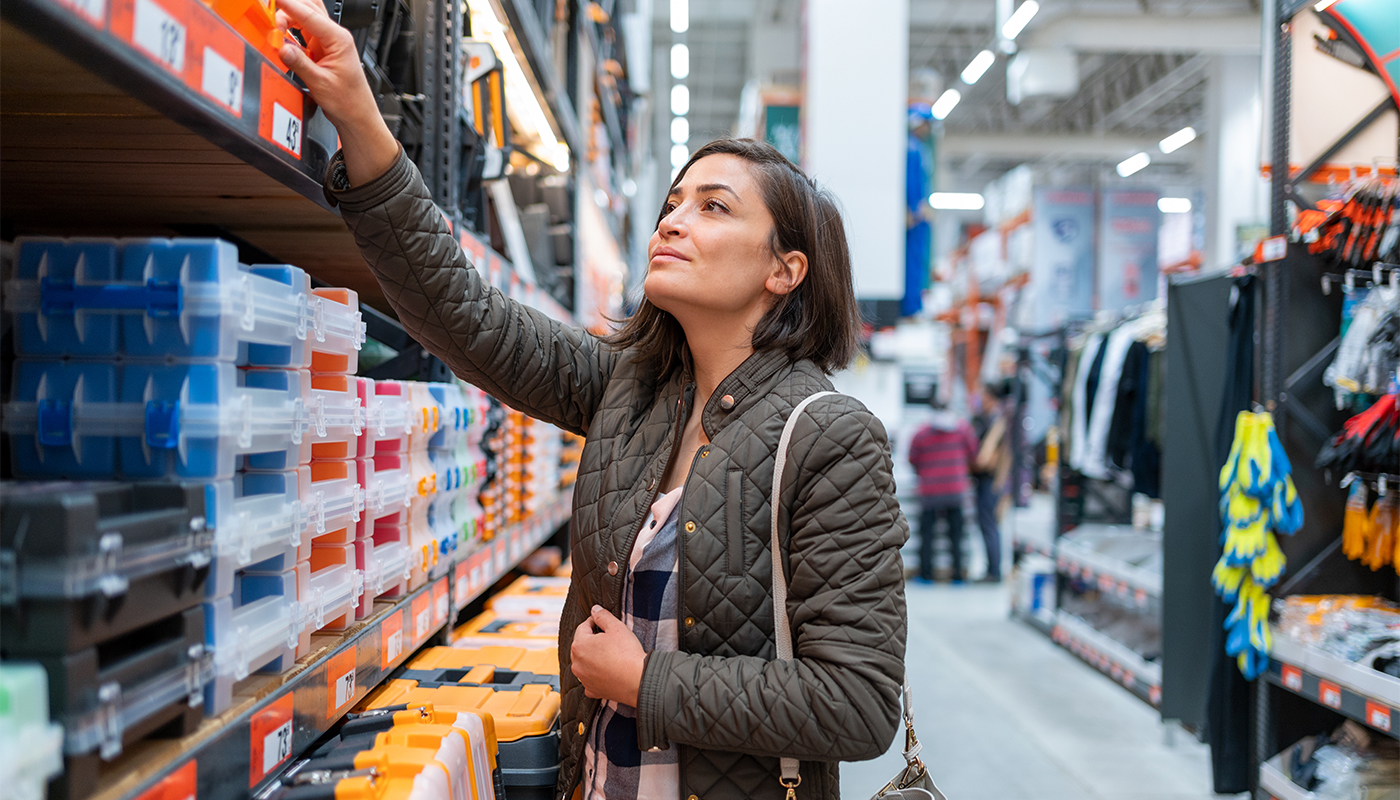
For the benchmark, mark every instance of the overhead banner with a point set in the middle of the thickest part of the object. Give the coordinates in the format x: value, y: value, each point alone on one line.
x: 1128, y: 248
x: 1062, y: 270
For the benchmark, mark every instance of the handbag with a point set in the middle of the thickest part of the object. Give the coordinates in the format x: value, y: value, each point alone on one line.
x: 913, y: 782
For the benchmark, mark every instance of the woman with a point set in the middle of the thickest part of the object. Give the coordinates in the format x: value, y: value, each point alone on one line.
x: 666, y: 643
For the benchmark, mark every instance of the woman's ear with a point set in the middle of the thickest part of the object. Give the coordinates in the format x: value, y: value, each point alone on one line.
x: 788, y: 273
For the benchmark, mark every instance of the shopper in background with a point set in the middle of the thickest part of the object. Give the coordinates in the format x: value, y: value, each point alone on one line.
x: 918, y: 236
x: 989, y: 472
x: 941, y: 454
x: 671, y: 688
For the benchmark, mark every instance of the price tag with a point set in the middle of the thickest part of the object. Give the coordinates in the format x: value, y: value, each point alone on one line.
x: 222, y: 81
x: 1140, y: 597
x: 391, y: 639
x: 1292, y: 677
x: 1105, y: 584
x: 1129, y: 679
x: 94, y: 11
x: 502, y: 557
x: 1329, y: 694
x: 182, y: 784
x: 280, y: 119
x: 1155, y: 695
x: 340, y: 682
x: 161, y: 34
x: 1116, y: 671
x: 422, y: 616
x: 1274, y: 248
x: 462, y: 588
x: 440, y: 607
x: 1378, y: 716
x: 270, y: 739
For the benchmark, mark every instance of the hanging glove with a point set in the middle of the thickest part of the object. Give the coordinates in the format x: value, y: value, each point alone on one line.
x: 1266, y: 568
x: 1227, y: 579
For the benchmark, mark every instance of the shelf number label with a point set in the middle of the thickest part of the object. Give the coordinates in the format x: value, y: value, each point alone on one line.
x: 94, y: 11
x: 1292, y: 678
x: 222, y: 81
x: 1329, y: 694
x: 340, y: 682
x: 270, y: 739
x: 422, y: 616
x: 159, y: 34
x: 462, y: 589
x: 1378, y: 716
x: 391, y: 639
x: 286, y: 129
x: 440, y: 607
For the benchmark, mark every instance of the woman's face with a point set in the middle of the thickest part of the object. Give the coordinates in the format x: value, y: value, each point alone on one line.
x: 711, y: 257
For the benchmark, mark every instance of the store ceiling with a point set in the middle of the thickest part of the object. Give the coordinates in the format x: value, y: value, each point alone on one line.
x: 1127, y: 95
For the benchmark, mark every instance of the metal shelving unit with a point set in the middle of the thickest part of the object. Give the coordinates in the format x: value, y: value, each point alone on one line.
x: 237, y: 753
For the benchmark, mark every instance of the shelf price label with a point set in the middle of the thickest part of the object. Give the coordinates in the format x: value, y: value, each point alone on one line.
x: 440, y: 607
x: 1292, y: 677
x: 340, y: 682
x: 216, y: 67
x: 161, y: 34
x: 461, y: 588
x: 270, y: 739
x: 391, y: 639
x: 502, y: 556
x: 422, y: 616
x: 1154, y: 695
x: 1378, y: 716
x: 280, y: 120
x: 1329, y: 694
x: 92, y: 11
x: 222, y: 81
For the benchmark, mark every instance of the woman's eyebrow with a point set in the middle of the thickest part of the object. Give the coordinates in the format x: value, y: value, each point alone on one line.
x: 702, y: 188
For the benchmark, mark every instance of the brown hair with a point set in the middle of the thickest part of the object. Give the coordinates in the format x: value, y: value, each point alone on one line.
x: 818, y: 320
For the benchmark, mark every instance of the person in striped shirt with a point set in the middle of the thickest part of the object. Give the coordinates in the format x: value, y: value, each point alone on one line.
x: 941, y: 453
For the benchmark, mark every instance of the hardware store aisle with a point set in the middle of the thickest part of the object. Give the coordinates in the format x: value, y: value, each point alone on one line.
x: 1005, y: 714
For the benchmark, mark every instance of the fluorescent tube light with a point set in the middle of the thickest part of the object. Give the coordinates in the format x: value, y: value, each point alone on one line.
x: 680, y: 100
x: 679, y: 155
x: 680, y: 15
x: 1133, y: 164
x: 956, y: 201
x: 527, y: 115
x: 680, y: 130
x: 943, y: 106
x: 1177, y: 140
x: 680, y: 61
x: 1019, y: 19
x: 978, y: 67
x: 1174, y: 205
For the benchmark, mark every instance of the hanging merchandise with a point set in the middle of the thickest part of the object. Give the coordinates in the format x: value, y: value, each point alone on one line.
x: 1369, y: 354
x: 1257, y: 498
x: 1362, y: 226
x: 1369, y: 442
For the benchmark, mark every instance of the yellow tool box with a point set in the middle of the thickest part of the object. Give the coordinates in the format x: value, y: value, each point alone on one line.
x: 526, y: 720
x: 530, y: 631
x: 493, y: 665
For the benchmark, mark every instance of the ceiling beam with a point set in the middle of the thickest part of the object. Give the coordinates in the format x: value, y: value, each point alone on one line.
x: 1105, y: 149
x: 1236, y: 34
x: 1163, y: 90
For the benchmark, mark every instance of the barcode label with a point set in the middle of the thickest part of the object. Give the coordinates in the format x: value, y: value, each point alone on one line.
x: 159, y: 34
x: 222, y: 81
x: 286, y: 129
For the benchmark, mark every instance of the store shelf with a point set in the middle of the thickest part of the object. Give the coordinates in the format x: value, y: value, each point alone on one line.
x: 1033, y: 546
x: 1276, y: 783
x: 1041, y: 620
x: 1365, y: 695
x: 231, y: 755
x: 1108, y: 573
x: 1110, y: 657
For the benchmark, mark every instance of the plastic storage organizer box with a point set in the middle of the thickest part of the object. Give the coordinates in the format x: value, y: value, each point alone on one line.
x: 175, y: 298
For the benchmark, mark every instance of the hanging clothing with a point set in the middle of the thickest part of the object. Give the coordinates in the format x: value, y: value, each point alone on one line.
x: 1095, y: 464
x: 1079, y: 399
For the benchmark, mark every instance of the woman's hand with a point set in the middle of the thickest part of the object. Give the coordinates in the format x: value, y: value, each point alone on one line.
x: 330, y: 67
x: 608, y: 659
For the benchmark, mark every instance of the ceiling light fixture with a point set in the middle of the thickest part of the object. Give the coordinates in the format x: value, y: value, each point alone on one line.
x: 945, y: 103
x: 526, y: 112
x: 978, y: 67
x: 1018, y: 20
x: 680, y: 61
x: 680, y: 100
x: 1174, y: 205
x: 1177, y: 140
x: 956, y: 201
x: 1323, y: 5
x: 680, y: 15
x: 1133, y: 164
x: 680, y: 130
x: 679, y: 155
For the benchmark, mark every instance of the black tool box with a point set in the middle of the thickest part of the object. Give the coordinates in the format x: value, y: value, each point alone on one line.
x: 82, y: 563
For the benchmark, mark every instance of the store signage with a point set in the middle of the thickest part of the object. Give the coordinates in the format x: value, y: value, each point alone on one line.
x: 1062, y: 269
x: 269, y: 739
x: 1127, y: 259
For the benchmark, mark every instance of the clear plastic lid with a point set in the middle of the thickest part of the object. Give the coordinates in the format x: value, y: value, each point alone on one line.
x: 387, y: 414
x: 385, y: 567
x: 385, y: 482
x: 334, y: 413
x: 253, y: 512
x: 332, y: 591
x: 247, y: 637
x: 120, y: 707
x: 108, y: 572
x: 331, y: 496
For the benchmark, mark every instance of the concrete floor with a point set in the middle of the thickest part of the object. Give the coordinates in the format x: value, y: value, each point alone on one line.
x: 1005, y: 714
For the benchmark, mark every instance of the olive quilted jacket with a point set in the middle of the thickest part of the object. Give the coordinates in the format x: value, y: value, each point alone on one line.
x: 722, y: 699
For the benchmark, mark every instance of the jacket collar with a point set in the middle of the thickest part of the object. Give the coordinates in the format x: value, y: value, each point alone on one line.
x: 753, y: 374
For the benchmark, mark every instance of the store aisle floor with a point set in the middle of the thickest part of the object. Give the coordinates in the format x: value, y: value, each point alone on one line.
x: 1005, y: 714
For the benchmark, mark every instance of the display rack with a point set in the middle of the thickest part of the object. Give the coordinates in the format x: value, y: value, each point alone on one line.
x: 274, y: 717
x: 1142, y: 678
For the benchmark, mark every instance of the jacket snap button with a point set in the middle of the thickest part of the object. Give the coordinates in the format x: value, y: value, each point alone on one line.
x: 692, y: 797
x: 726, y: 402
x: 612, y: 567
x: 690, y: 622
x: 690, y: 527
x: 580, y: 729
x: 704, y: 453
